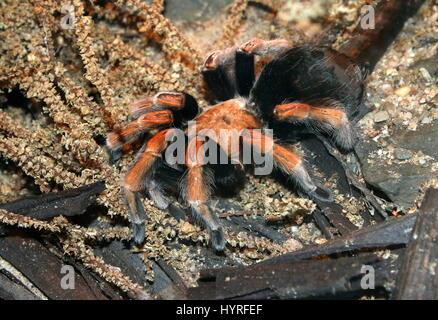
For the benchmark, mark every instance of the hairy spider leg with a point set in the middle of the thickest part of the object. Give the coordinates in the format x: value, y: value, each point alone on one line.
x: 288, y: 162
x: 165, y: 108
x: 117, y: 139
x: 266, y: 50
x: 198, y: 190
x: 329, y: 119
x: 176, y: 101
x: 139, y: 179
x: 148, y: 121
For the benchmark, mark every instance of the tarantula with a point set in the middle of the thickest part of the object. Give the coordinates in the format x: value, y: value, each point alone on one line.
x: 260, y: 84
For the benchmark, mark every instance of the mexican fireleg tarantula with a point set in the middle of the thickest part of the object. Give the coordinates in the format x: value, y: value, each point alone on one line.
x: 307, y: 86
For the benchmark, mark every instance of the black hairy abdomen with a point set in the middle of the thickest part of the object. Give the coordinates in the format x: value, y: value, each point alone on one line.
x: 308, y: 73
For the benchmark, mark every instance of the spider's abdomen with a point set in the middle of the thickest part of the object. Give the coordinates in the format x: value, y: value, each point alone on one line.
x: 308, y: 73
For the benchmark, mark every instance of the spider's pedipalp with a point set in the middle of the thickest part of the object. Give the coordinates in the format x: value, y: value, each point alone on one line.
x: 218, y: 72
x: 245, y: 73
x: 331, y: 119
x: 170, y: 100
x: 190, y: 109
x: 197, y: 193
x: 139, y: 178
x: 229, y: 72
x: 164, y: 109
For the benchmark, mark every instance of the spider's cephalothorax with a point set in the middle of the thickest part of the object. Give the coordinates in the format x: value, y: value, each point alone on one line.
x: 258, y: 84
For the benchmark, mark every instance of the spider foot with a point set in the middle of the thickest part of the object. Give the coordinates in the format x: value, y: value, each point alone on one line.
x: 158, y: 197
x: 217, y: 239
x: 138, y: 230
x: 114, y: 157
x: 202, y: 212
x: 137, y: 215
x: 321, y: 193
x: 310, y: 189
x: 345, y: 138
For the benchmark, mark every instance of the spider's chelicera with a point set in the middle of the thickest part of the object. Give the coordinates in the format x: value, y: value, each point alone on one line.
x: 259, y: 85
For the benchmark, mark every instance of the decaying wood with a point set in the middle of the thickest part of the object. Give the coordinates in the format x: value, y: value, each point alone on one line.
x: 393, y: 233
x: 330, y: 163
x: 353, y: 179
x: 168, y: 284
x: 309, y: 272
x: 69, y: 202
x: 257, y: 226
x: 323, y: 224
x: 119, y: 255
x: 260, y: 229
x: 9, y: 290
x: 334, y: 214
x: 43, y: 269
x: 295, y: 280
x: 418, y: 277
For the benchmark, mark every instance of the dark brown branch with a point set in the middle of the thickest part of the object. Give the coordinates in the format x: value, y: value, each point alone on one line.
x: 418, y: 277
x: 394, y: 232
x: 168, y: 285
x: 291, y: 276
x: 69, y: 202
x: 9, y: 290
x: 296, y: 280
x: 367, y: 46
x: 42, y: 268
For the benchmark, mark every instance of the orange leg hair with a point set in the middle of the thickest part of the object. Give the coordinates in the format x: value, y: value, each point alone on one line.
x: 331, y: 120
x: 287, y: 161
x: 139, y: 178
x: 265, y: 47
x: 165, y: 100
x: 148, y: 121
x: 197, y: 193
